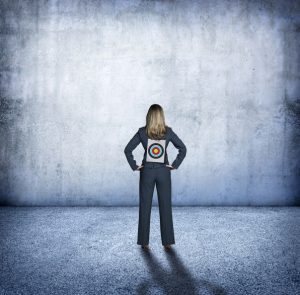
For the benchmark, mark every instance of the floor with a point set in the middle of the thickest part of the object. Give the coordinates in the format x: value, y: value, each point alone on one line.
x: 93, y: 250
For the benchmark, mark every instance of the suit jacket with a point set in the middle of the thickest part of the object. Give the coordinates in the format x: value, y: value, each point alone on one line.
x: 141, y: 137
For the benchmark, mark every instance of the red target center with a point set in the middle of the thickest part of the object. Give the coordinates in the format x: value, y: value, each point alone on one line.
x: 155, y: 151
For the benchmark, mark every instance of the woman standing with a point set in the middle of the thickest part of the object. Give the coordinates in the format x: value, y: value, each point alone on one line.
x: 155, y: 169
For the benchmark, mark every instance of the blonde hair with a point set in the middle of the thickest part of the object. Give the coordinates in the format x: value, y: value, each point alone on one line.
x: 156, y: 127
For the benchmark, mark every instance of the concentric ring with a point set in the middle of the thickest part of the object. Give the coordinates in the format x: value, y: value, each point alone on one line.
x: 155, y: 150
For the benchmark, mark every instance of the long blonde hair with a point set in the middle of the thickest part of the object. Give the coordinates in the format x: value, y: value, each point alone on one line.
x: 156, y: 127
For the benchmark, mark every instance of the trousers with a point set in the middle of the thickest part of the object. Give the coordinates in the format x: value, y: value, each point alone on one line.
x: 161, y: 177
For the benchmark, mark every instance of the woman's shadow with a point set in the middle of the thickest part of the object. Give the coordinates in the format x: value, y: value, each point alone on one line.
x: 177, y: 281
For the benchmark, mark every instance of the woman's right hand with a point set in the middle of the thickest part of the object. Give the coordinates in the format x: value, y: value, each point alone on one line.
x: 171, y: 167
x: 138, y: 168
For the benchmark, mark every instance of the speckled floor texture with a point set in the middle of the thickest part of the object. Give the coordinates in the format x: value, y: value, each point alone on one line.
x: 93, y: 250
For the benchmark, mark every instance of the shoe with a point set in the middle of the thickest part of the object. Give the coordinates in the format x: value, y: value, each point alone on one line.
x: 145, y: 247
x: 167, y: 247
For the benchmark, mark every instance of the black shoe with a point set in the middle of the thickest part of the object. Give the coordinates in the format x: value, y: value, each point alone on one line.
x: 145, y: 247
x: 168, y: 247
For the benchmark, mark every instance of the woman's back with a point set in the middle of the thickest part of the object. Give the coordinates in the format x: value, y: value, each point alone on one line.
x: 142, y: 137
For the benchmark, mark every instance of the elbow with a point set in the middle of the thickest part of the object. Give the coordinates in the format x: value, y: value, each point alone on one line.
x: 126, y: 151
x: 184, y: 150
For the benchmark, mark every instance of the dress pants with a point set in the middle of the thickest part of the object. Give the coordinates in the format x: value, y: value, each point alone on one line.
x: 161, y: 176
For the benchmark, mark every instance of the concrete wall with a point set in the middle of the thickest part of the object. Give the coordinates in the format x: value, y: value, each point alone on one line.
x: 77, y: 78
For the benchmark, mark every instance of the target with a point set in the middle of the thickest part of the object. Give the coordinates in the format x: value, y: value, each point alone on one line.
x: 156, y: 150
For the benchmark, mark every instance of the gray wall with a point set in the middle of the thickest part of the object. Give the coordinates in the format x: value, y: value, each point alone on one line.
x: 77, y: 78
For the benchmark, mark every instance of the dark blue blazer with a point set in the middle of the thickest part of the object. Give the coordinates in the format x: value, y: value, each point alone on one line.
x: 141, y: 136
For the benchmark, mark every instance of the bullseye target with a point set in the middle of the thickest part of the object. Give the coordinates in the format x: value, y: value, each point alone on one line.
x: 156, y: 150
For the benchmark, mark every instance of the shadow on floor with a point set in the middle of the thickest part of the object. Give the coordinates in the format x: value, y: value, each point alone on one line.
x: 178, y: 280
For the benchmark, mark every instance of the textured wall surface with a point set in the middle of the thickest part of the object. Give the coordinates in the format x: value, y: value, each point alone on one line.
x: 77, y: 78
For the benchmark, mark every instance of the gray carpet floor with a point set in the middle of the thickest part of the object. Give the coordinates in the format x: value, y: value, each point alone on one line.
x: 93, y: 250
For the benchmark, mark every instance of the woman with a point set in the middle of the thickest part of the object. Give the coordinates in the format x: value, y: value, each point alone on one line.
x: 155, y: 169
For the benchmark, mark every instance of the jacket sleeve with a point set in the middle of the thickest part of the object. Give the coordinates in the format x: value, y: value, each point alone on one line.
x: 177, y: 142
x: 132, y: 144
